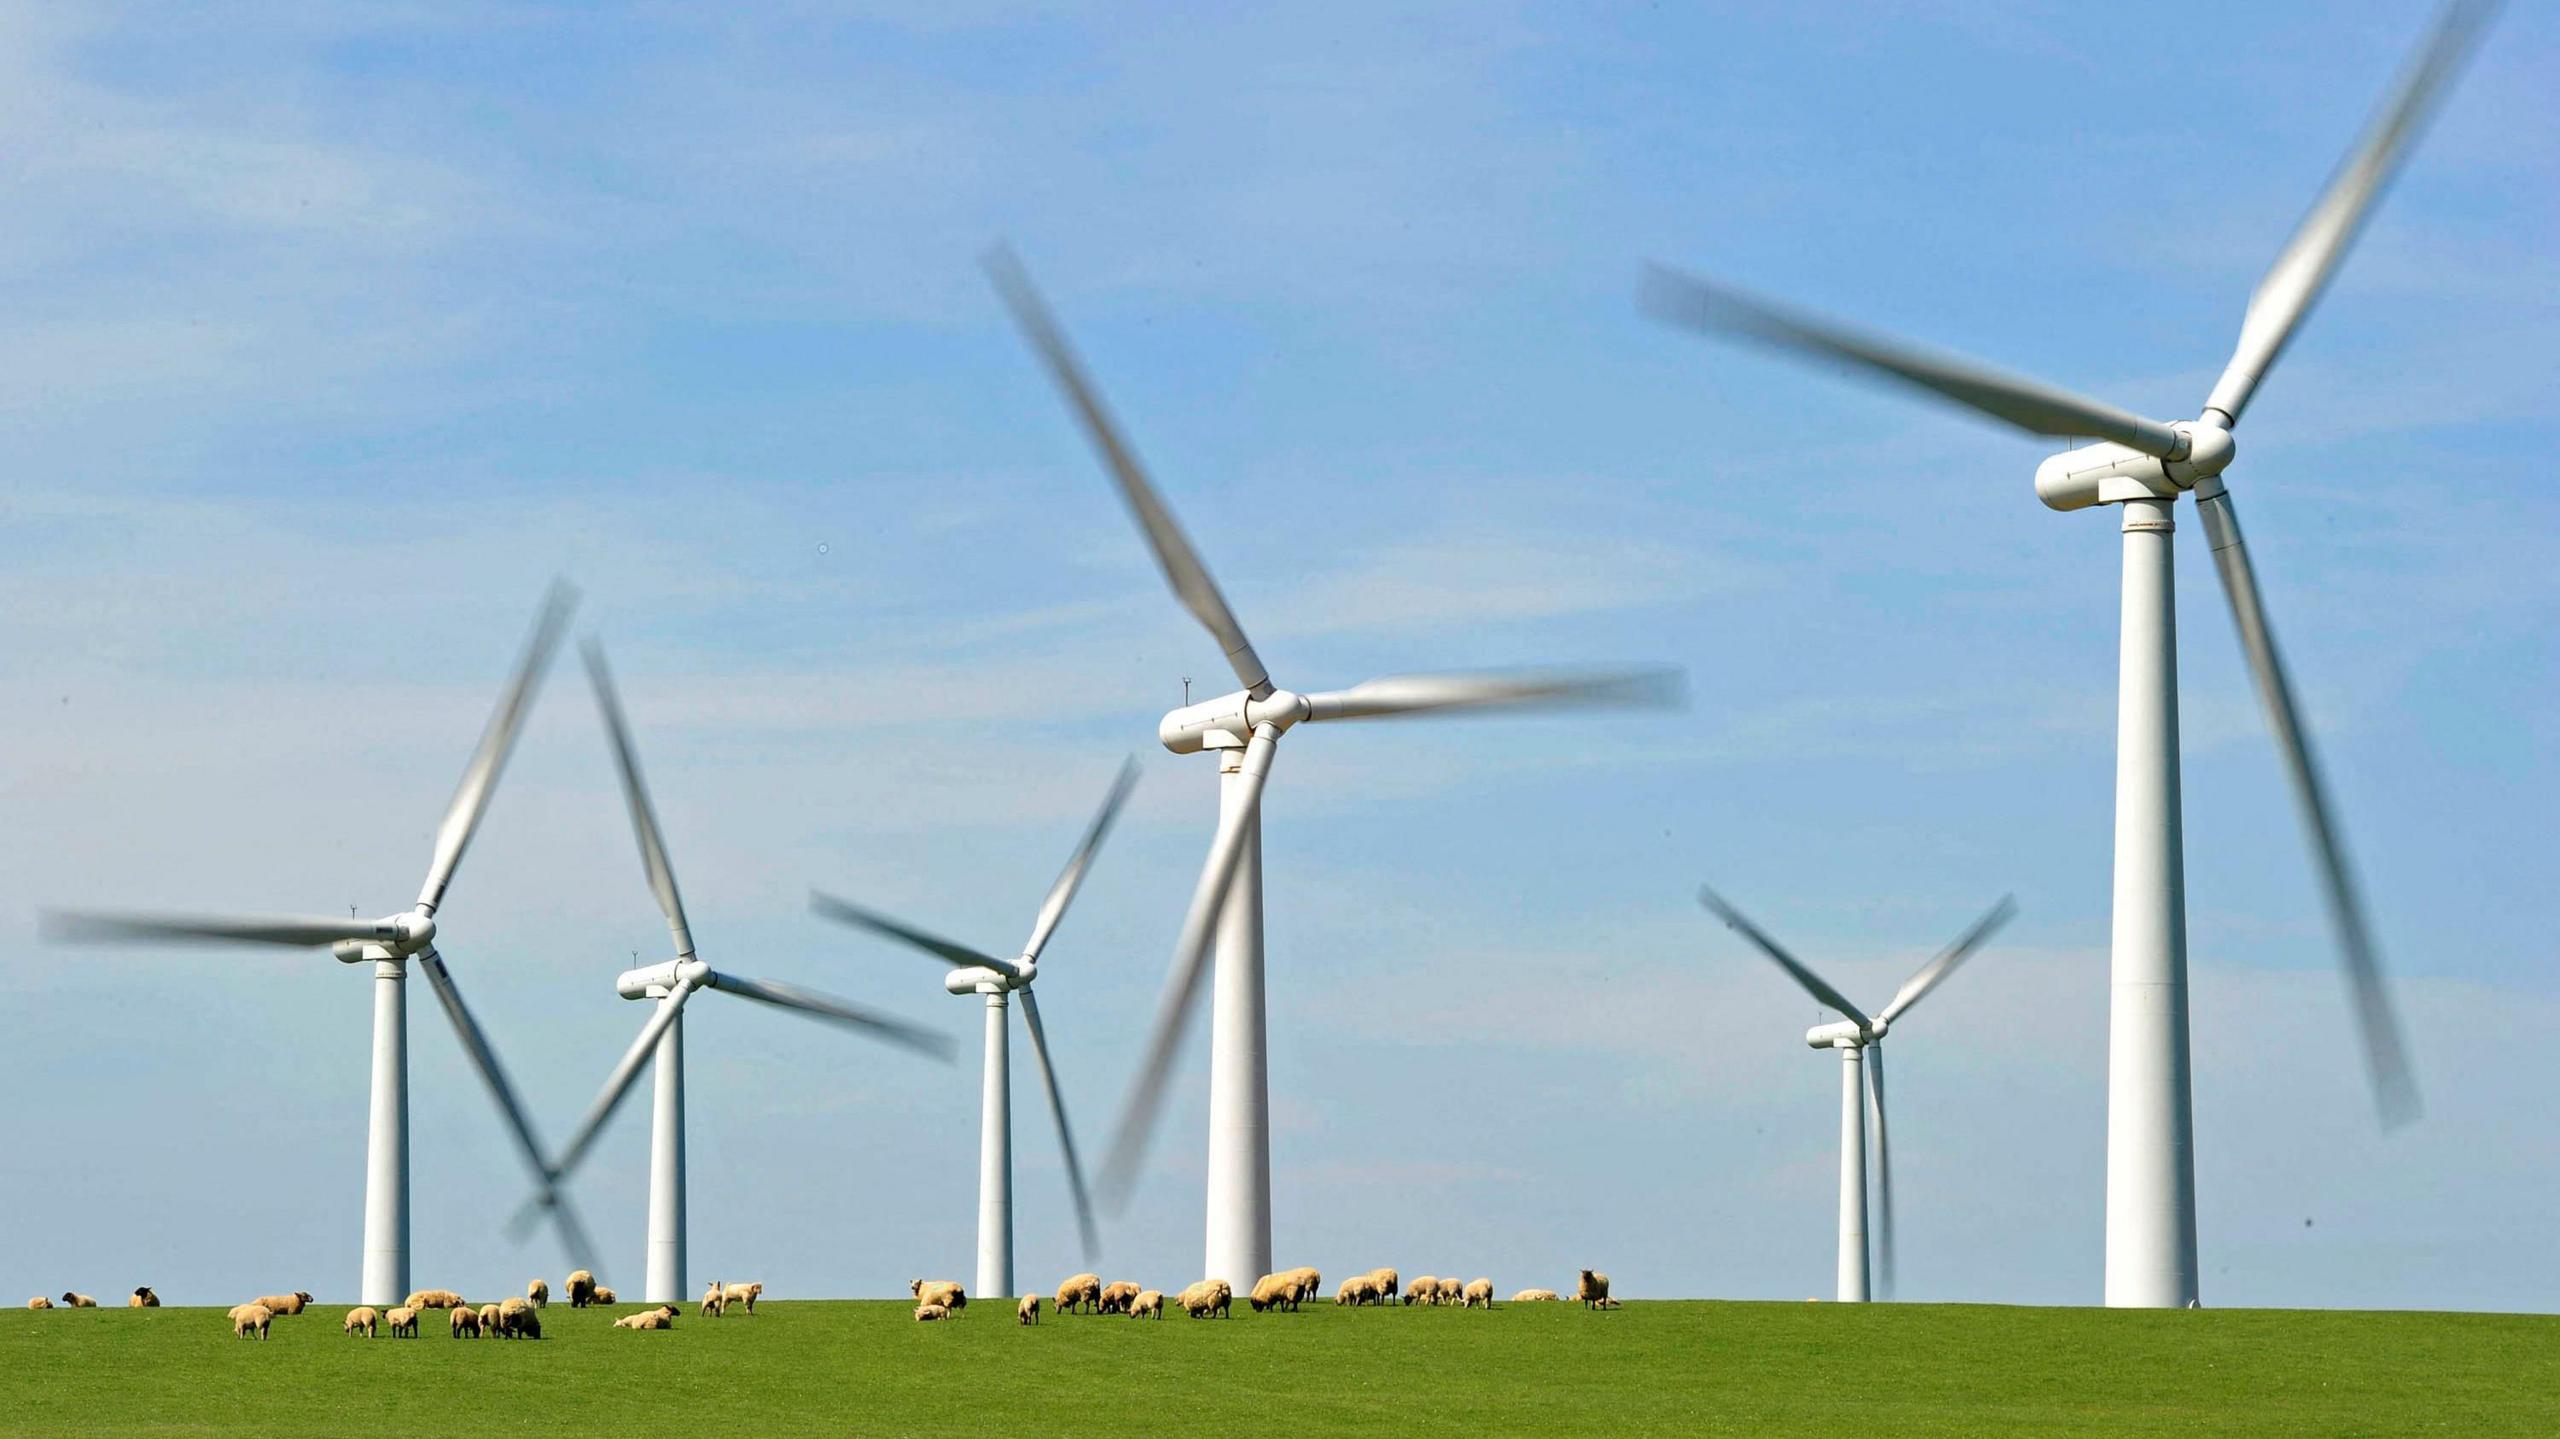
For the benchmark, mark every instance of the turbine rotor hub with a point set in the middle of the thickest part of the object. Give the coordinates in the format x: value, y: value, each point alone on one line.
x: 1839, y: 1034
x: 1229, y: 720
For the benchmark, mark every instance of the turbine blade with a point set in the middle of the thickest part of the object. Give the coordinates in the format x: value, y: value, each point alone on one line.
x: 1395, y: 695
x: 1066, y: 1133
x: 1884, y: 1174
x: 1932, y: 974
x: 2031, y: 405
x: 618, y: 1084
x: 845, y: 911
x: 836, y: 1011
x: 635, y: 792
x: 301, y: 931
x: 2395, y: 1092
x: 2303, y: 268
x: 1181, y: 563
x: 1190, y: 955
x: 1063, y: 892
x: 471, y: 800
x: 1813, y: 983
x: 484, y: 1061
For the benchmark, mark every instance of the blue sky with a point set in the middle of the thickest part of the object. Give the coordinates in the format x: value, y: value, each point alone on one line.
x: 332, y: 332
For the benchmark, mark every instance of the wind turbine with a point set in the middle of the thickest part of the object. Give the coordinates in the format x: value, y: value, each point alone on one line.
x: 1243, y: 729
x: 1860, y: 1040
x: 389, y: 944
x: 976, y: 972
x: 2143, y: 466
x: 669, y: 985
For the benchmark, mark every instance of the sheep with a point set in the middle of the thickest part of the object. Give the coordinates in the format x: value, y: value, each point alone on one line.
x: 581, y: 1287
x: 1116, y: 1297
x: 1604, y: 1302
x: 1273, y: 1290
x: 463, y: 1323
x: 1084, y: 1289
x: 714, y: 1302
x: 1534, y: 1296
x: 403, y: 1321
x: 77, y: 1301
x: 662, y: 1317
x: 39, y: 1302
x: 1310, y: 1282
x: 1148, y: 1305
x: 1590, y: 1287
x: 1357, y: 1290
x: 488, y: 1319
x: 604, y: 1295
x: 518, y: 1319
x: 1027, y: 1310
x: 945, y: 1292
x: 431, y: 1299
x: 249, y: 1319
x: 281, y: 1304
x: 362, y: 1318
x: 143, y: 1298
x: 539, y: 1291
x: 928, y: 1313
x: 1423, y: 1290
x: 1477, y: 1295
x: 1386, y: 1283
x: 1206, y: 1298
x: 746, y: 1294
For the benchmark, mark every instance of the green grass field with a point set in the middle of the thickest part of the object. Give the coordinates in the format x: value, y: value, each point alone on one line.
x: 1683, y: 1367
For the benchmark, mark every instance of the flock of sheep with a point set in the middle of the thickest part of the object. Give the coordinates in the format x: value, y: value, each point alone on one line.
x: 507, y: 1319
x: 939, y: 1299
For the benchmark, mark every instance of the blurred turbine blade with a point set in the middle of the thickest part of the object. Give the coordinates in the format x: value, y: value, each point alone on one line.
x: 625, y: 1073
x: 1932, y: 974
x: 1813, y: 983
x: 836, y: 1011
x: 1063, y: 892
x: 301, y: 931
x: 1884, y: 1174
x: 471, y: 800
x: 644, y: 816
x: 1395, y: 695
x: 847, y: 912
x: 1066, y: 1134
x: 484, y: 1061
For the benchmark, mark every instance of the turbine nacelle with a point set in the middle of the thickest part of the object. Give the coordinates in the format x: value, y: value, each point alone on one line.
x: 394, y: 936
x: 1842, y: 1034
x: 984, y: 979
x: 1228, y: 721
x: 657, y: 981
x: 2109, y: 473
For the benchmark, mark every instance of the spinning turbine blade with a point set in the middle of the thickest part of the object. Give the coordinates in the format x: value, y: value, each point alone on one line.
x: 462, y: 817
x: 619, y: 1082
x: 1395, y: 695
x: 2031, y: 405
x: 960, y: 955
x: 1181, y: 563
x: 1814, y: 984
x: 1058, y: 1112
x: 484, y: 1060
x: 1063, y: 892
x: 835, y: 1011
x: 2293, y: 284
x: 1182, y: 985
x: 2395, y: 1092
x: 1884, y: 1173
x: 1936, y: 970
x: 301, y: 931
x: 644, y: 817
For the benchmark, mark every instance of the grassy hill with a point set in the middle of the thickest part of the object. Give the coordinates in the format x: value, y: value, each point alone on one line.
x: 1670, y: 1367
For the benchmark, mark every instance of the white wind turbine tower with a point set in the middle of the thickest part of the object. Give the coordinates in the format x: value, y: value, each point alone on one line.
x: 1859, y: 1038
x: 976, y: 972
x: 2143, y: 466
x: 669, y: 985
x: 1243, y: 729
x: 390, y: 944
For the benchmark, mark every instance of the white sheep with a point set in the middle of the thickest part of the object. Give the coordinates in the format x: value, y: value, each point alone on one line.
x: 1357, y: 1290
x: 39, y: 1302
x: 403, y: 1322
x: 1604, y: 1302
x: 604, y: 1295
x: 1084, y: 1289
x: 1534, y: 1296
x: 462, y: 1323
x: 662, y: 1317
x: 581, y: 1287
x: 945, y: 1292
x: 249, y: 1319
x: 1386, y: 1283
x: 429, y: 1299
x: 1310, y: 1282
x: 1116, y: 1297
x: 539, y: 1291
x: 1591, y: 1287
x: 1027, y: 1310
x: 488, y: 1320
x: 518, y: 1319
x: 1272, y: 1291
x: 714, y: 1302
x: 283, y: 1304
x: 362, y: 1319
x: 1148, y: 1305
x: 1477, y: 1295
x: 77, y: 1301
x: 1206, y: 1298
x: 1423, y: 1290
x: 746, y: 1294
x: 928, y: 1313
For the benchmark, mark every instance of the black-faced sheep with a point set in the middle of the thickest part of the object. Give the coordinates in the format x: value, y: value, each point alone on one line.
x: 362, y: 1319
x: 518, y: 1319
x: 1386, y: 1283
x: 250, y: 1319
x: 1310, y: 1282
x: 403, y: 1322
x: 928, y: 1313
x: 1116, y: 1297
x: 143, y: 1298
x: 283, y: 1304
x: 1357, y: 1290
x: 463, y: 1323
x: 1027, y: 1311
x: 1209, y: 1297
x: 1534, y: 1296
x: 1423, y: 1290
x: 581, y: 1287
x: 539, y: 1291
x: 78, y: 1301
x: 1590, y: 1287
x: 1080, y: 1289
x: 746, y: 1294
x: 1477, y: 1295
x: 1272, y: 1291
x: 945, y: 1292
x: 1148, y: 1305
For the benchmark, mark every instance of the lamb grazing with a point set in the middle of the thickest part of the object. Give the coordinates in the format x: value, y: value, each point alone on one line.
x: 1084, y: 1289
x: 77, y: 1301
x: 248, y: 1319
x: 1206, y: 1298
x: 1591, y: 1288
x: 1534, y: 1296
x: 362, y: 1318
x: 604, y: 1295
x: 582, y: 1288
x: 1477, y: 1295
x: 1273, y: 1290
x: 284, y: 1303
x: 1357, y: 1290
x: 1310, y: 1282
x: 488, y: 1319
x: 1148, y: 1305
x: 714, y: 1303
x: 945, y: 1292
x: 1116, y: 1297
x: 1423, y: 1290
x: 928, y: 1313
x: 404, y: 1322
x: 143, y: 1298
x: 39, y: 1302
x: 431, y: 1299
x: 539, y: 1291
x: 748, y: 1294
x: 1386, y: 1283
x: 518, y: 1319
x: 1027, y: 1311
x: 464, y: 1323
x: 662, y: 1317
